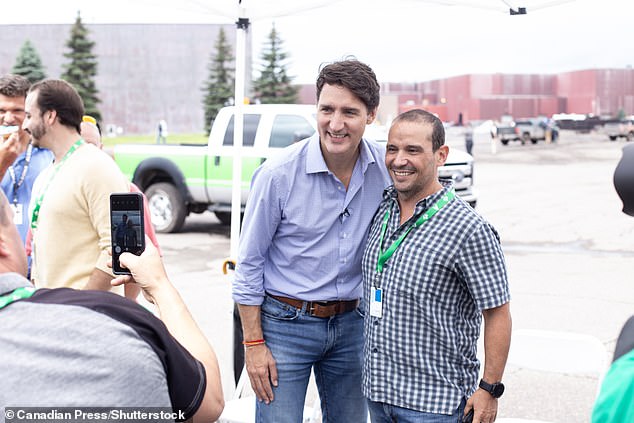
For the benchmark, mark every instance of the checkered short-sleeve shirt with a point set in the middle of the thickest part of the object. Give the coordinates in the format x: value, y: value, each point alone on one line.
x: 421, y: 354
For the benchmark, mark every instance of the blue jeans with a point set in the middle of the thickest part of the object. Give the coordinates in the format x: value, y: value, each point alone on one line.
x: 381, y: 412
x: 333, y: 347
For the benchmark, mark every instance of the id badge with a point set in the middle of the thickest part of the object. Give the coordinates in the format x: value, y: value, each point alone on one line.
x: 376, y: 302
x: 17, y: 213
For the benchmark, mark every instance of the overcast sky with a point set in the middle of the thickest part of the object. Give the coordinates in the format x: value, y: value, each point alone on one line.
x: 403, y: 40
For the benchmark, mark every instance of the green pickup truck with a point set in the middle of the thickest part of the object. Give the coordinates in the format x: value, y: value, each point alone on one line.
x: 183, y: 179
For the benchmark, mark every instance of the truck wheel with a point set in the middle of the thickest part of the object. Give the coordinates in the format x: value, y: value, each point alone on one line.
x: 526, y: 137
x: 534, y: 141
x: 167, y: 207
x: 613, y: 137
x: 504, y: 142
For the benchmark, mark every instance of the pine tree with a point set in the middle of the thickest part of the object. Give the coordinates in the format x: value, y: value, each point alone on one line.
x: 82, y: 68
x: 274, y: 85
x: 28, y: 63
x: 219, y: 86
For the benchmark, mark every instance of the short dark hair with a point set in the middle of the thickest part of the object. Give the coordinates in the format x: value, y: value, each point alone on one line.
x: 14, y: 86
x: 355, y: 76
x: 59, y: 95
x: 422, y: 116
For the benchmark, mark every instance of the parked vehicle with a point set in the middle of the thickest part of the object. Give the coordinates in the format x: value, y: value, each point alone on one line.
x: 183, y: 179
x: 532, y: 130
x: 506, y: 131
x: 623, y: 129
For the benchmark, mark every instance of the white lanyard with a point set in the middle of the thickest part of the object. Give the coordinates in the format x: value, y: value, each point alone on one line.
x: 25, y: 169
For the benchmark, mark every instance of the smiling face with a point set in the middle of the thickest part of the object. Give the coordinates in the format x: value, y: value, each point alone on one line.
x: 411, y: 161
x: 33, y: 121
x: 341, y: 121
x: 12, y: 113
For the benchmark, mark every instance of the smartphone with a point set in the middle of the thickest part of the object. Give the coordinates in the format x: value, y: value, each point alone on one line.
x: 126, y: 222
x: 468, y: 418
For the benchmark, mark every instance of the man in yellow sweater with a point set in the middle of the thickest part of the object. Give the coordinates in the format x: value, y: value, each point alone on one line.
x: 69, y: 207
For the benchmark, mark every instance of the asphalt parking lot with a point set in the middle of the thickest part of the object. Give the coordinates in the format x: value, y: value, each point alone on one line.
x: 567, y: 245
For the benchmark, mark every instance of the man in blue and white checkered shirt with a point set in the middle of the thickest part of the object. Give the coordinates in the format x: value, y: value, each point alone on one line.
x: 432, y: 268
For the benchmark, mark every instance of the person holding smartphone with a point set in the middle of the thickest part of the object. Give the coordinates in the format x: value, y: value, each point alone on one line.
x: 66, y: 347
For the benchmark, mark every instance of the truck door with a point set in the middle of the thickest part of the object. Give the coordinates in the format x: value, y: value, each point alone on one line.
x: 220, y: 163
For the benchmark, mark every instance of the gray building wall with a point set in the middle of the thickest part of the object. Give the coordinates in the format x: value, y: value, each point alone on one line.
x: 146, y: 72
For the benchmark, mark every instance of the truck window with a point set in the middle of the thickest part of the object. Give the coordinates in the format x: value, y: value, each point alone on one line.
x: 249, y: 128
x: 288, y: 129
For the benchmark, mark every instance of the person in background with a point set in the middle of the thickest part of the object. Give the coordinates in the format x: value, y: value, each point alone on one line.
x: 298, y: 275
x: 91, y: 133
x: 168, y: 363
x: 69, y: 209
x: 468, y: 138
x: 20, y: 161
x: 432, y: 268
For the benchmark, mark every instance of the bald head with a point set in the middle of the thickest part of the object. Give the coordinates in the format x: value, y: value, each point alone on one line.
x: 90, y: 133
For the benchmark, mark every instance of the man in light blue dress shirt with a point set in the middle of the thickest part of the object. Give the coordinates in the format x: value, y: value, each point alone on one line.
x: 298, y: 276
x: 20, y: 162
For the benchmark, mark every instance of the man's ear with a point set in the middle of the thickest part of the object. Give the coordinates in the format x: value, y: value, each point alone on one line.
x: 441, y: 155
x: 371, y: 117
x: 50, y: 117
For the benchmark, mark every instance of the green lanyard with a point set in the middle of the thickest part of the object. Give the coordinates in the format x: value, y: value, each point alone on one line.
x: 15, y: 295
x: 385, y: 255
x: 38, y: 202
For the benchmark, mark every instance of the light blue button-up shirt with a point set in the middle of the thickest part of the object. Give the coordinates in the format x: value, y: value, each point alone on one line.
x: 303, y: 234
x: 41, y: 158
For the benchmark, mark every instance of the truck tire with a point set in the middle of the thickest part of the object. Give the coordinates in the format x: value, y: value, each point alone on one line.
x: 504, y: 142
x: 167, y: 207
x: 613, y: 137
x: 526, y: 137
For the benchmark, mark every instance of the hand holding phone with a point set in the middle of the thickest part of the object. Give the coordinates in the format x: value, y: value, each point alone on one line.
x: 127, y: 227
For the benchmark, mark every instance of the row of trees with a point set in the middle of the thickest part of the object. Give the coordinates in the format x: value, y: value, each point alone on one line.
x: 80, y: 70
x: 274, y: 85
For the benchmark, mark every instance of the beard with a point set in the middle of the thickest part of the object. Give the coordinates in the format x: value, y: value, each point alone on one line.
x: 37, y: 133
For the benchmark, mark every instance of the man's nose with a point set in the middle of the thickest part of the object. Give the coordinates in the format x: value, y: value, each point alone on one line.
x: 400, y: 159
x: 9, y: 118
x: 336, y: 122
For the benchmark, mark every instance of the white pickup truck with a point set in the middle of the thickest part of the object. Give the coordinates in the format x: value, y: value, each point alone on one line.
x: 181, y: 179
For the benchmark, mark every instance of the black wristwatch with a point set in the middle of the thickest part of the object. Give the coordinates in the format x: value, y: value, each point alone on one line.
x: 495, y: 389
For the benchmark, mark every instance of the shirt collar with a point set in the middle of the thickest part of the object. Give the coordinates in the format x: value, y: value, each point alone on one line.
x: 10, y: 281
x: 390, y: 193
x: 315, y: 162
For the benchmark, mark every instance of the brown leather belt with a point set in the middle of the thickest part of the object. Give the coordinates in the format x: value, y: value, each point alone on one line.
x: 320, y: 308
